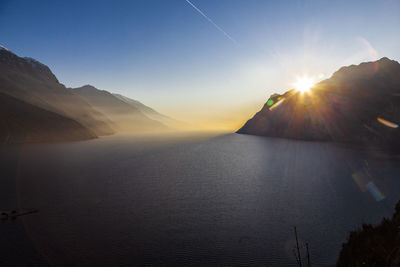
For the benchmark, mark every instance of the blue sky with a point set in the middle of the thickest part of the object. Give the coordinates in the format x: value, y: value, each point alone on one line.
x: 167, y: 55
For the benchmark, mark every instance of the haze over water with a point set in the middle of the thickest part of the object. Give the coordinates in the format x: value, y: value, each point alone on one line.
x: 203, y: 200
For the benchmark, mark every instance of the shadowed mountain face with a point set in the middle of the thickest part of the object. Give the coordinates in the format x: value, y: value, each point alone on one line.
x: 34, y: 83
x: 358, y: 104
x: 82, y: 113
x: 21, y: 122
x: 148, y: 111
x: 125, y: 116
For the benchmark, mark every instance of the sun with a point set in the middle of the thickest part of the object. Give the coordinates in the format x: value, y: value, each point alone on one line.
x: 304, y: 84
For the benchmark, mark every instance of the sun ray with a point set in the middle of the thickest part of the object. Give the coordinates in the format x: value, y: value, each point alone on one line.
x: 304, y: 84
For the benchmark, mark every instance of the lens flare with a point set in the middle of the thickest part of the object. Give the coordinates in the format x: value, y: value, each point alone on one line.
x: 304, y: 84
x: 387, y: 123
x: 274, y: 106
x: 375, y: 192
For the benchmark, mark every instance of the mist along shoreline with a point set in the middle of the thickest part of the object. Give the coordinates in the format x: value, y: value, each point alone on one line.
x: 140, y: 134
x: 372, y: 150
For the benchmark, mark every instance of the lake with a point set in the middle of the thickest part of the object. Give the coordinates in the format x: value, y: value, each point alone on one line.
x: 189, y: 200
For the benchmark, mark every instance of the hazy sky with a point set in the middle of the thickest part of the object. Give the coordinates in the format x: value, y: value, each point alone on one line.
x: 215, y: 62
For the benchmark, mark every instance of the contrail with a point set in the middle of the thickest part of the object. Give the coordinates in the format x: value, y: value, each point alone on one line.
x: 212, y: 22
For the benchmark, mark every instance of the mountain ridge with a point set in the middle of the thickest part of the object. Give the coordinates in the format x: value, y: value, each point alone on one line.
x: 348, y: 107
x: 34, y: 83
x: 64, y: 112
x: 126, y: 117
x: 149, y: 112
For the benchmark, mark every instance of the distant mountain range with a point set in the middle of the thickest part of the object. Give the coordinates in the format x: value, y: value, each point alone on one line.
x: 149, y: 112
x: 36, y: 107
x: 125, y: 117
x: 358, y: 104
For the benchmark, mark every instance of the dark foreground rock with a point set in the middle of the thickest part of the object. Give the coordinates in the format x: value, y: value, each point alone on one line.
x: 373, y: 245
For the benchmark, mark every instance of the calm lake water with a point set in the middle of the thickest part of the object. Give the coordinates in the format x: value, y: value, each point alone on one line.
x: 190, y: 200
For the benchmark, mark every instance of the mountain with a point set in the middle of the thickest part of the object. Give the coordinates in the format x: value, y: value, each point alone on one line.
x: 358, y: 104
x: 126, y: 117
x: 21, y: 122
x: 148, y: 111
x: 32, y: 82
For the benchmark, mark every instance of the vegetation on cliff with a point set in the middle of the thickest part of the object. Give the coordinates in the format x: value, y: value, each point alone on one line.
x: 373, y: 245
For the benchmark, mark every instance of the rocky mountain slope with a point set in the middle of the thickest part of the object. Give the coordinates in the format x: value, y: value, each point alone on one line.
x: 126, y: 117
x: 149, y: 112
x: 36, y: 107
x: 32, y: 82
x: 21, y: 122
x: 358, y: 104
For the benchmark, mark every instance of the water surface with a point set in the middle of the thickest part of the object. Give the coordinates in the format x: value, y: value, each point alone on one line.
x: 191, y: 200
